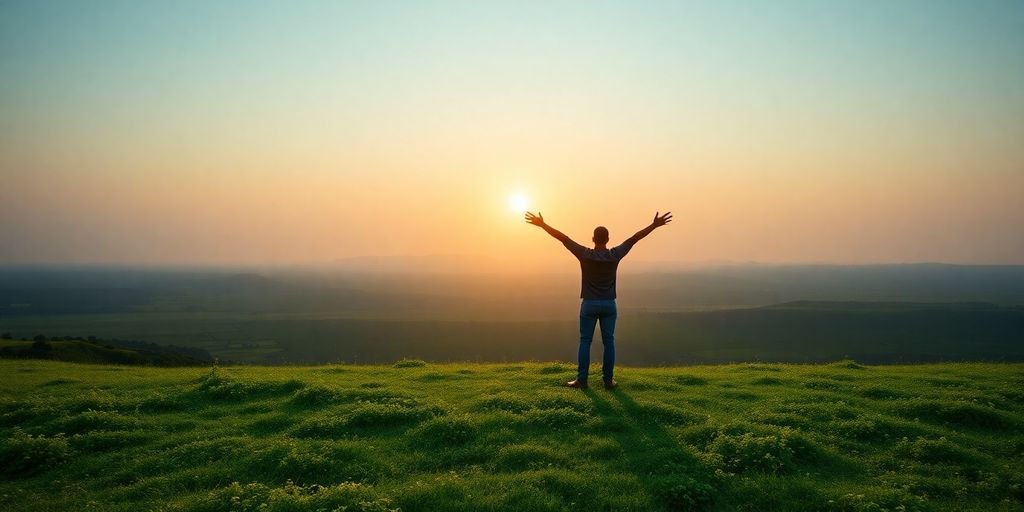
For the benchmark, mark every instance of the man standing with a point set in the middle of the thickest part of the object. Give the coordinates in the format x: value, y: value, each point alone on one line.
x: 597, y: 289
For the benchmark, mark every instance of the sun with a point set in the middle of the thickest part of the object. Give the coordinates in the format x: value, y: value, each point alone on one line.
x: 518, y: 202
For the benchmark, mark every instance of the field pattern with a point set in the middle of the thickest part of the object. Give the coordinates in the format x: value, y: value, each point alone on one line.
x: 416, y: 436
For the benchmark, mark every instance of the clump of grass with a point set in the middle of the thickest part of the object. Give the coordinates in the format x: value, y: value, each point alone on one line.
x: 933, y: 451
x: 613, y: 425
x: 89, y: 421
x: 665, y: 414
x: 758, y: 367
x: 442, y: 492
x: 878, y: 501
x: 257, y: 497
x: 848, y: 364
x: 880, y: 393
x: 745, y: 396
x: 598, y: 448
x: 958, y: 412
x: 161, y: 403
x: 436, y: 376
x: 95, y: 442
x: 779, y: 452
x: 821, y: 410
x: 767, y: 381
x: 561, y: 418
x: 520, y: 457
x: 684, y: 493
x: 380, y: 396
x: 562, y: 400
x: 364, y: 415
x: 317, y: 396
x: 553, y: 369
x: 782, y: 419
x: 510, y: 368
x: 321, y: 462
x: 446, y: 431
x: 271, y: 424
x: 385, y: 415
x: 865, y: 429
x: 409, y: 363
x: 503, y: 401
x: 216, y: 386
x: 824, y: 385
x: 690, y: 380
x: 23, y: 454
x: 59, y: 382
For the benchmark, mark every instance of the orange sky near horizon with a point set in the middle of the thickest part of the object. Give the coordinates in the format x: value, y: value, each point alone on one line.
x: 278, y: 140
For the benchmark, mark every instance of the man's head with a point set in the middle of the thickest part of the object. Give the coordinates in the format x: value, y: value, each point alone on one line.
x: 600, y: 235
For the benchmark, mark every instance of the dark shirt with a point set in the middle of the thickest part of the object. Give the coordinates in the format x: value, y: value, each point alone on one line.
x: 598, y: 267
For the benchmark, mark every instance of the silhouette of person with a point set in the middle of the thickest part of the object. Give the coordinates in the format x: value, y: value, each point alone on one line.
x: 597, y: 289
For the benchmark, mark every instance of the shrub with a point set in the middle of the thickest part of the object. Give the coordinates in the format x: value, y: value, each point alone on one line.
x: 23, y: 454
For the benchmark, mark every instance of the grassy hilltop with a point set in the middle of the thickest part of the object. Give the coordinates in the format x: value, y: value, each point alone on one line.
x: 417, y: 436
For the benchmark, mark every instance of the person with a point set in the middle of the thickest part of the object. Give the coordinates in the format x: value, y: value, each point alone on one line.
x: 597, y: 289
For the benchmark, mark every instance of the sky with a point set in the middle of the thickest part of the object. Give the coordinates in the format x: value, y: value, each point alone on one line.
x: 217, y: 132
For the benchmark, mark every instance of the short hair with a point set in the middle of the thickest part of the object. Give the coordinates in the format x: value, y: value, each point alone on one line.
x: 601, y: 235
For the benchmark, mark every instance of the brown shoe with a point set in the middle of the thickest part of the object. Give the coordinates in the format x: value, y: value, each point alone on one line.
x: 610, y: 384
x: 578, y: 383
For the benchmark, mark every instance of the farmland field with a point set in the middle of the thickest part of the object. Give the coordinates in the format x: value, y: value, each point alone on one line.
x: 416, y: 436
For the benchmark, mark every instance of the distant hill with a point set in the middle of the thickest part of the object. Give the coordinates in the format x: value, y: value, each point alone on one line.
x: 105, y: 352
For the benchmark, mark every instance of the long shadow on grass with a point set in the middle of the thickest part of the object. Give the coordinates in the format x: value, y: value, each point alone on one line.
x: 673, y: 476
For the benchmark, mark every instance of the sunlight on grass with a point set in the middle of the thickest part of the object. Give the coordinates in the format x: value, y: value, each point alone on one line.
x: 423, y: 436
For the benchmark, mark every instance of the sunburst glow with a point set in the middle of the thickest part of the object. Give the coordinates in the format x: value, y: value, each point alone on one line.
x: 518, y: 202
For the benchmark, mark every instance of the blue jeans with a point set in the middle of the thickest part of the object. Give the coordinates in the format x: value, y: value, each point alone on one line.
x: 593, y: 311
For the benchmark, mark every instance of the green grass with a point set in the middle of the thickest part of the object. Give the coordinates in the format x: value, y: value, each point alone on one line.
x: 416, y: 436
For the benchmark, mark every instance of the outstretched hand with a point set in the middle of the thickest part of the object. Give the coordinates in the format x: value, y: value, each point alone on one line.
x: 536, y: 220
x: 661, y: 220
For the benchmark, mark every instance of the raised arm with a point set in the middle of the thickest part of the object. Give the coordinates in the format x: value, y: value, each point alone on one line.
x: 656, y: 223
x: 538, y: 220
